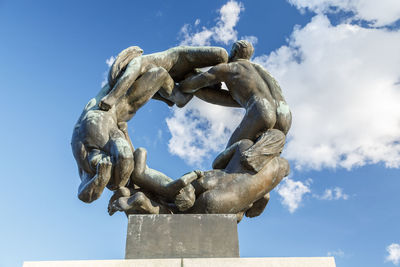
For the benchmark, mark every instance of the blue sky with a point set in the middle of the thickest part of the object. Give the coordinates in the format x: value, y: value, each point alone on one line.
x: 337, y: 62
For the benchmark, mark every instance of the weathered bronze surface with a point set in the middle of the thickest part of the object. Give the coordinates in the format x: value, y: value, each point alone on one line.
x: 242, y: 175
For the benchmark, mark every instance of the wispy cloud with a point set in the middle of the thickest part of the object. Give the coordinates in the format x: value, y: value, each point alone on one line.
x: 250, y: 38
x: 223, y: 32
x: 333, y: 194
x: 109, y: 62
x: 336, y: 253
x: 394, y: 253
x: 292, y: 193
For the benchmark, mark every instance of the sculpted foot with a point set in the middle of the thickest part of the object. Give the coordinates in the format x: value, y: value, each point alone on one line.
x: 175, y: 186
x: 142, y: 204
x: 120, y: 192
x: 185, y: 198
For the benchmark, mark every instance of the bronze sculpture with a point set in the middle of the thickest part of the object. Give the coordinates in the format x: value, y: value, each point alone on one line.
x: 242, y: 175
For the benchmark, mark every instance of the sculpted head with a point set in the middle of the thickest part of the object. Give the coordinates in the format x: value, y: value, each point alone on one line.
x: 241, y: 50
x: 120, y: 63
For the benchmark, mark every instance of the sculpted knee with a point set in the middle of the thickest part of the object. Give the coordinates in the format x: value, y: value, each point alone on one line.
x: 87, y: 197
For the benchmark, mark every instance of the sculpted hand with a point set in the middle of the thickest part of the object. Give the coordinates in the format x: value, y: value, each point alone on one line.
x: 113, y: 204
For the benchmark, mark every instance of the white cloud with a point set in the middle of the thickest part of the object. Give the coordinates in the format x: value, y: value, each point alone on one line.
x: 199, y: 38
x: 333, y: 194
x: 336, y: 253
x: 378, y: 13
x: 222, y: 32
x: 109, y: 62
x: 394, y: 253
x: 199, y: 129
x: 341, y: 84
x: 292, y: 193
x: 250, y: 38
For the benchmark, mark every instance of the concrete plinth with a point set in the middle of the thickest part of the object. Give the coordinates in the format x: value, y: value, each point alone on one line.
x: 182, y: 236
x: 193, y: 240
x: 214, y: 262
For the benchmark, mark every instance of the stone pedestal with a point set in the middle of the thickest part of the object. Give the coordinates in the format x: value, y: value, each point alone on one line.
x: 210, y: 262
x: 182, y: 236
x: 186, y: 241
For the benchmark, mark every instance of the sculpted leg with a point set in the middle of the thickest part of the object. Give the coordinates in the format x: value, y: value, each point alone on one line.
x: 223, y: 159
x: 153, y: 82
x: 157, y: 182
x: 146, y: 178
x: 180, y: 191
x: 177, y: 97
x: 242, y: 191
x: 258, y: 207
x: 137, y: 203
x: 143, y: 89
x: 123, y: 162
x: 93, y: 186
x: 121, y: 62
x: 120, y: 192
x: 131, y: 73
x: 260, y: 116
x: 176, y: 185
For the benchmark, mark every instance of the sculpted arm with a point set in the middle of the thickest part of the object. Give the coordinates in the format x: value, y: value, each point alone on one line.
x: 132, y: 72
x: 222, y: 160
x: 217, y: 96
x: 210, y: 77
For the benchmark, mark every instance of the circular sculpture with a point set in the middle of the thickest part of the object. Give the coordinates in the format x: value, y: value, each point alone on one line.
x: 242, y: 175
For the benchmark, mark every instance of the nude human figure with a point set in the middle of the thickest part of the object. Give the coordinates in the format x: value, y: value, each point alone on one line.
x: 100, y: 142
x: 164, y: 189
x: 240, y: 182
x: 177, y: 61
x: 252, y: 87
x: 243, y: 176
